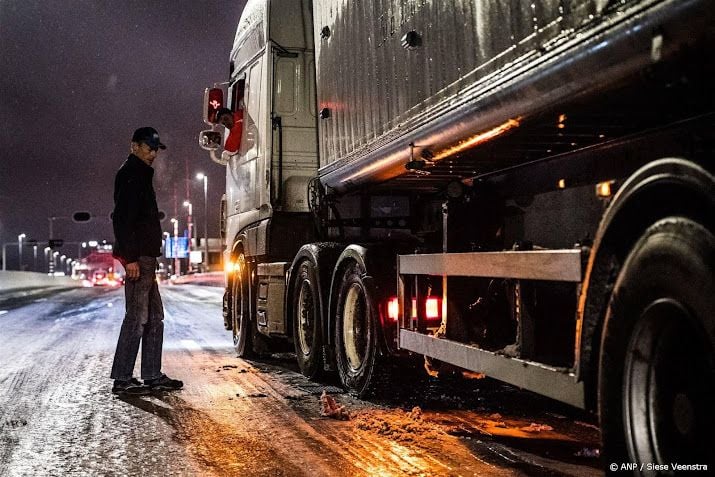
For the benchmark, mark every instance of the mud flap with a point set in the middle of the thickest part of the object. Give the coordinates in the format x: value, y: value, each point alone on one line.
x: 226, y: 310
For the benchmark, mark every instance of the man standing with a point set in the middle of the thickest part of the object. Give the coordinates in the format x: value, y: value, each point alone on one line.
x: 138, y: 242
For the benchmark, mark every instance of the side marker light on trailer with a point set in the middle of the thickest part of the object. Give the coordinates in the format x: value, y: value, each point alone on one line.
x: 432, y: 307
x: 604, y: 189
x: 393, y: 308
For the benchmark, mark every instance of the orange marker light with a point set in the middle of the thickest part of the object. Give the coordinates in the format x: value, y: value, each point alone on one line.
x: 231, y: 267
x: 603, y: 189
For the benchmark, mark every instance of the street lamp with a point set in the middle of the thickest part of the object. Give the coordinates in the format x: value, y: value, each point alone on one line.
x: 19, y: 247
x: 34, y: 258
x: 189, y: 219
x: 177, y: 270
x: 202, y: 176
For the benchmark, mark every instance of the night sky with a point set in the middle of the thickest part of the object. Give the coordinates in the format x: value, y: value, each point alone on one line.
x: 76, y: 78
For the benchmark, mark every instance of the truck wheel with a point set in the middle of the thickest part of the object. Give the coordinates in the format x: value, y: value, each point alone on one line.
x: 306, y: 320
x: 240, y: 314
x: 657, y: 364
x: 356, y: 332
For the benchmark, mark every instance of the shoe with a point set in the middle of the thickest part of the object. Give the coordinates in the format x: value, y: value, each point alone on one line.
x: 163, y: 383
x: 133, y: 387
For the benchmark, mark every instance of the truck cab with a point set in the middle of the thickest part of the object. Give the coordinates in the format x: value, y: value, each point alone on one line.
x: 265, y: 213
x: 271, y: 81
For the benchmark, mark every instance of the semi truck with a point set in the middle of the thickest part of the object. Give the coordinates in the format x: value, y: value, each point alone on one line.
x: 522, y: 189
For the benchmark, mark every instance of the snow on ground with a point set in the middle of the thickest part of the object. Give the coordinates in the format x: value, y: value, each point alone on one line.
x: 10, y: 280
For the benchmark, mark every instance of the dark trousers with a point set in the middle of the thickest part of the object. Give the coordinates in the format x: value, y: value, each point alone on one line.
x: 143, y: 321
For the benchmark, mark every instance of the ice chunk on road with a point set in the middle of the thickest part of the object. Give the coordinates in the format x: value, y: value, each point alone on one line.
x: 330, y: 408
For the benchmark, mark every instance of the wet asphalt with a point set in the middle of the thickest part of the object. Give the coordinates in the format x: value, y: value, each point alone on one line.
x: 238, y: 417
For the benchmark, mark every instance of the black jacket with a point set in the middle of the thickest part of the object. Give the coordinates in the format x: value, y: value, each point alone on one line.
x: 136, y: 216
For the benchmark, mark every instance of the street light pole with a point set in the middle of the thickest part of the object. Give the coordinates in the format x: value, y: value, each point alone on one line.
x: 51, y: 221
x: 165, y: 242
x: 4, y: 256
x: 190, y: 223
x: 204, y: 177
x: 19, y: 248
x: 177, y: 270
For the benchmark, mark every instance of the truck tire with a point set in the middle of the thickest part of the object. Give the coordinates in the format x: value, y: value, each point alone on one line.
x: 307, y: 335
x: 240, y: 311
x: 657, y: 362
x: 356, y: 339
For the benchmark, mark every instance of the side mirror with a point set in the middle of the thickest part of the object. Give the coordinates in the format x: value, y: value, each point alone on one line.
x: 210, y: 140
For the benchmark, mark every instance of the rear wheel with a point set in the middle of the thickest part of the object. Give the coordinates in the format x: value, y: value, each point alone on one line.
x: 657, y: 369
x: 240, y: 311
x: 356, y: 332
x: 306, y: 320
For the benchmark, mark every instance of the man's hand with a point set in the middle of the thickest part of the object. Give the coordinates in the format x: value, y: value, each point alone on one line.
x: 132, y: 270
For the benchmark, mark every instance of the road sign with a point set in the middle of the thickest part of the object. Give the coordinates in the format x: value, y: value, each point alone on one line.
x: 176, y: 247
x: 56, y: 243
x: 81, y: 216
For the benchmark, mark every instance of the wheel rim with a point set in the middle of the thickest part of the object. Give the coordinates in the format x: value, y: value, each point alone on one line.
x: 354, y: 326
x: 668, y: 373
x: 306, y: 322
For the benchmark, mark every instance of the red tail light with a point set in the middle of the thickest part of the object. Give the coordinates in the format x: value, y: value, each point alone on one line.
x: 393, y: 308
x: 432, y: 307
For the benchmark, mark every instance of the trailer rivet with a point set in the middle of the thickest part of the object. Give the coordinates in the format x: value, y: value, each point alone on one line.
x: 411, y: 40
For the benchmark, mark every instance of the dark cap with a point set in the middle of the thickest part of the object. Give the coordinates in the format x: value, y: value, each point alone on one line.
x: 148, y: 136
x: 222, y: 111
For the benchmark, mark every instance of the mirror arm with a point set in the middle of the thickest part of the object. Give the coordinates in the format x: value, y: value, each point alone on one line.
x: 217, y: 159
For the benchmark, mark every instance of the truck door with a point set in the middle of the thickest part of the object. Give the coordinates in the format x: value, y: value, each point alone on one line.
x: 244, y: 168
x: 293, y: 118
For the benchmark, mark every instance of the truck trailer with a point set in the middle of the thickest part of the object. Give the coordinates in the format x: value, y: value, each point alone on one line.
x: 522, y: 189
